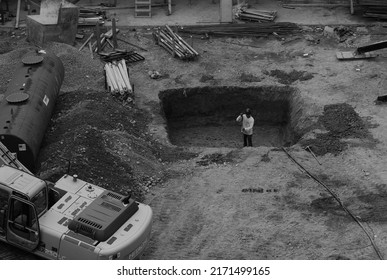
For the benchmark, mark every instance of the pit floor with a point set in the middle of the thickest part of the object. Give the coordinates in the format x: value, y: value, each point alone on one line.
x: 225, y: 136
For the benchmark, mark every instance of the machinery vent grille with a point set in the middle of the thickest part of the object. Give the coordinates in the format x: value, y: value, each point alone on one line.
x: 111, y: 206
x: 115, y: 196
x: 88, y: 223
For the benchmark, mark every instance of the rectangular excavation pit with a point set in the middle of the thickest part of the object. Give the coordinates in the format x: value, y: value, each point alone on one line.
x: 206, y: 116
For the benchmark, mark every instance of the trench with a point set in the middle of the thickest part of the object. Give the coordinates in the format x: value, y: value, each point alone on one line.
x: 206, y: 116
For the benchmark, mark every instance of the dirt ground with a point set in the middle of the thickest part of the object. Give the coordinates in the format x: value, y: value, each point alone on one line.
x: 232, y: 202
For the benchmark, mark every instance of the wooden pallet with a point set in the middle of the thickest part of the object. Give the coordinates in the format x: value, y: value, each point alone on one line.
x: 352, y: 55
x: 143, y: 8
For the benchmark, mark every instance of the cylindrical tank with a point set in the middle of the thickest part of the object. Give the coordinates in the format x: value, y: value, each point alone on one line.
x: 27, y: 105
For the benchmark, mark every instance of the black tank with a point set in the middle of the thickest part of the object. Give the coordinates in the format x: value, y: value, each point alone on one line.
x: 27, y: 105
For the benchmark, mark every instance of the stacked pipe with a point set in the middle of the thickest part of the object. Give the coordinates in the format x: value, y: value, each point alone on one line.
x: 255, y: 15
x: 262, y: 29
x: 117, y: 77
x: 90, y: 17
x: 174, y: 44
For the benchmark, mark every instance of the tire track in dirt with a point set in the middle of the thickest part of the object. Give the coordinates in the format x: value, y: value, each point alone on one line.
x: 341, y: 228
x: 174, y: 230
x: 210, y: 215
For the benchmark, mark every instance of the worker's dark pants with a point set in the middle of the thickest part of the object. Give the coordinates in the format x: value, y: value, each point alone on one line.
x: 247, y: 140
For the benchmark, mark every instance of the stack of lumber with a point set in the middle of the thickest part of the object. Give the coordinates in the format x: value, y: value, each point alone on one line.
x: 255, y: 15
x: 373, y: 3
x: 262, y: 29
x: 374, y: 8
x: 174, y: 44
x: 117, y: 77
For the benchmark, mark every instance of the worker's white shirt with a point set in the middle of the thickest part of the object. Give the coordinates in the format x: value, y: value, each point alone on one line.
x: 247, y: 124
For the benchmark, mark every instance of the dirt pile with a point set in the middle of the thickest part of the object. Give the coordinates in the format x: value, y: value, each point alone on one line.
x: 106, y: 143
x: 288, y: 78
x: 341, y: 122
x: 104, y: 139
x: 82, y: 71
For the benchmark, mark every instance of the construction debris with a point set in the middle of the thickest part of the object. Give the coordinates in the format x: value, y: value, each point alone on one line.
x: 243, y: 13
x: 117, y: 78
x: 129, y: 56
x: 343, y: 33
x: 90, y: 17
x: 262, y: 29
x: 154, y: 74
x: 103, y: 41
x: 174, y: 44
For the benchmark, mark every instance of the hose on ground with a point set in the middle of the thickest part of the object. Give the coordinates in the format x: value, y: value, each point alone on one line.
x: 335, y: 196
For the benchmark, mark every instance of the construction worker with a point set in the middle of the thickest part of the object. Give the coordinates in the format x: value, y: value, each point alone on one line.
x: 247, y: 127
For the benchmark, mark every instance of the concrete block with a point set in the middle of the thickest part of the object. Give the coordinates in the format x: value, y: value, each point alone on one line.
x: 68, y: 22
x: 57, y: 21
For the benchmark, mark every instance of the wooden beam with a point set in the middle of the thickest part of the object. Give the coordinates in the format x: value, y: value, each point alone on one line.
x: 86, y: 42
x: 17, y: 14
x: 170, y: 7
x: 98, y: 36
x: 315, y: 5
x: 114, y: 33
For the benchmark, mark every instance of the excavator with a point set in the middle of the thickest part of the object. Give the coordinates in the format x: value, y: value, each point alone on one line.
x: 69, y: 219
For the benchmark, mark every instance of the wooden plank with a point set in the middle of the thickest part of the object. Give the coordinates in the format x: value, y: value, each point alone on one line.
x: 86, y: 42
x: 323, y: 5
x: 114, y: 33
x: 98, y: 35
x: 91, y: 50
x: 353, y: 56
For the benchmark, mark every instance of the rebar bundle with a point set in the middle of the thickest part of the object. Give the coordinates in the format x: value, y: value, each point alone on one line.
x: 174, y: 44
x: 262, y: 29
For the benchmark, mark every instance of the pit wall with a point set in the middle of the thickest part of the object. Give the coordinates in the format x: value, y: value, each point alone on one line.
x: 272, y: 105
x: 299, y: 122
x: 269, y: 104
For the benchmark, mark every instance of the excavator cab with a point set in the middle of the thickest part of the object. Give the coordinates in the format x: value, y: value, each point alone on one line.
x: 3, y: 211
x: 22, y: 224
x: 23, y: 219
